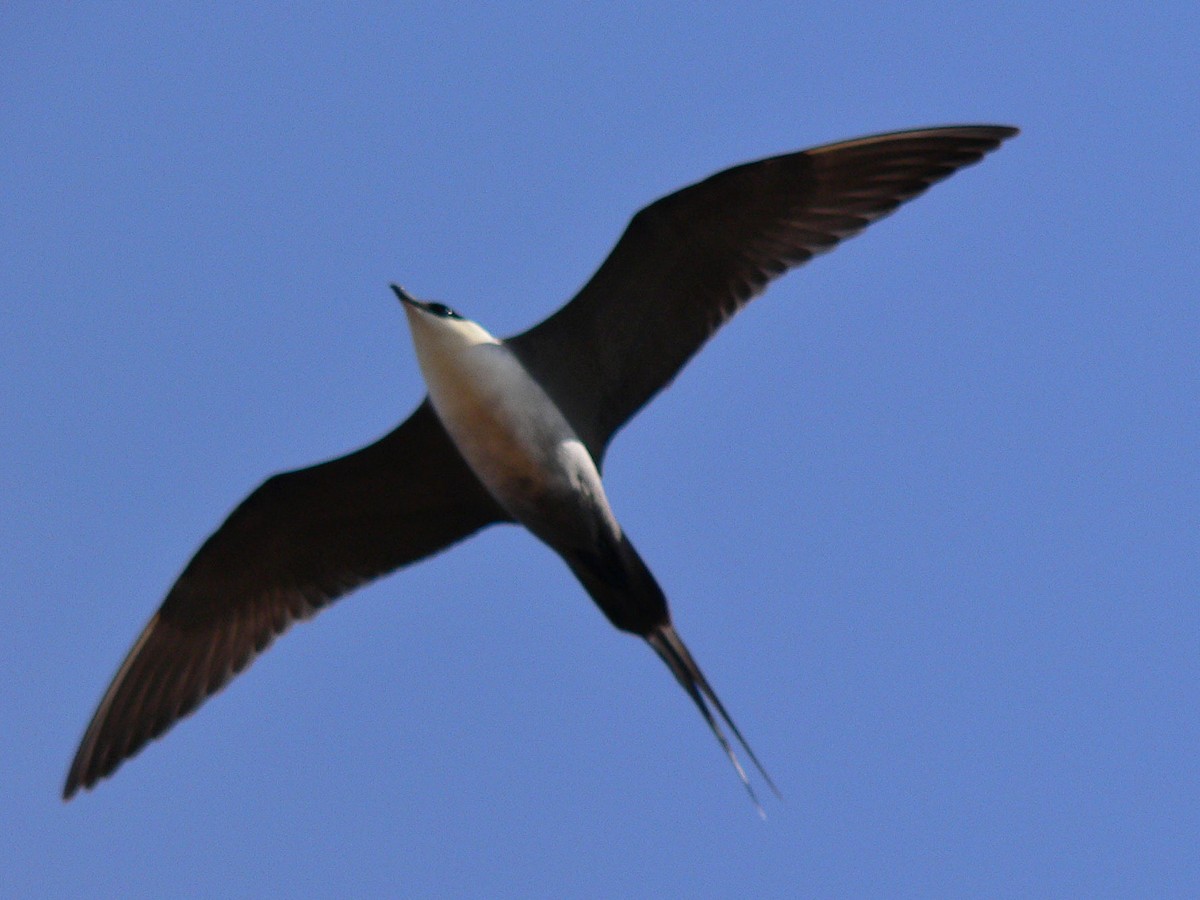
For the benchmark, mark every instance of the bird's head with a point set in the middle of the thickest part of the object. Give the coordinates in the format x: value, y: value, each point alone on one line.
x: 436, y: 326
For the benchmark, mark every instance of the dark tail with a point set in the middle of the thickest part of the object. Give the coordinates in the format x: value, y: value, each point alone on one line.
x: 670, y: 647
x: 623, y: 587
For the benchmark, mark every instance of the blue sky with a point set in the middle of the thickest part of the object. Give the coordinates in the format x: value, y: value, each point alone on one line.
x: 926, y: 511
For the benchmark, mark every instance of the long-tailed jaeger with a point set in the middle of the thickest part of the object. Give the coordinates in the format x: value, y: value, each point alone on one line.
x: 515, y: 430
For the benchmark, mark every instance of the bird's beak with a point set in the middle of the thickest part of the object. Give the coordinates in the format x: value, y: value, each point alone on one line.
x: 405, y: 296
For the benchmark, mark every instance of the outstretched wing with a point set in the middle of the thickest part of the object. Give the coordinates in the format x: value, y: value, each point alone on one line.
x: 688, y: 262
x: 301, y: 540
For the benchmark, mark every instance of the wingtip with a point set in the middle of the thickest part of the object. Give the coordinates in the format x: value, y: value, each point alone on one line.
x: 82, y: 776
x: 1003, y: 132
x: 74, y: 783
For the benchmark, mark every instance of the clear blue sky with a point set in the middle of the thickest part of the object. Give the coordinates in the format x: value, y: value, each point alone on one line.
x: 926, y: 511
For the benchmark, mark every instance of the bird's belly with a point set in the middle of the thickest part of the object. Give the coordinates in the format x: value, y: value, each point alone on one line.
x: 524, y: 451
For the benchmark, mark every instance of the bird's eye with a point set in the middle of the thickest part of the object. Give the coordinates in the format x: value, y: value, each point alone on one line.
x: 440, y: 309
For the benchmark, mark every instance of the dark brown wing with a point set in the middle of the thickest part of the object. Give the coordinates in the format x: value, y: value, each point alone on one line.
x: 301, y: 540
x: 689, y: 261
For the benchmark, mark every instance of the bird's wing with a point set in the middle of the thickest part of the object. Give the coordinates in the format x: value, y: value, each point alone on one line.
x: 299, y: 541
x: 687, y: 262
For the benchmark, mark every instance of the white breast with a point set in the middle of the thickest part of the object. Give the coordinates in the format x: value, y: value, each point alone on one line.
x: 514, y: 438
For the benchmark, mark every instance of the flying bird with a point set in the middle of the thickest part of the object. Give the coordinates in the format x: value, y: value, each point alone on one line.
x: 515, y: 430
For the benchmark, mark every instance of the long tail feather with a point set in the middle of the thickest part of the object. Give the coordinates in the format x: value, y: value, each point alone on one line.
x: 671, y: 649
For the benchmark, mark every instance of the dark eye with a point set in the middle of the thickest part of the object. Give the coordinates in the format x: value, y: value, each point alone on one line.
x: 440, y: 309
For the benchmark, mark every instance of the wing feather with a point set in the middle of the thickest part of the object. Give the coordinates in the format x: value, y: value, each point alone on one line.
x: 689, y: 261
x: 298, y: 542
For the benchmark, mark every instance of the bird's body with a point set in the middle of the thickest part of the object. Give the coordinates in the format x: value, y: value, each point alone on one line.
x: 530, y: 459
x: 515, y: 430
x: 512, y: 435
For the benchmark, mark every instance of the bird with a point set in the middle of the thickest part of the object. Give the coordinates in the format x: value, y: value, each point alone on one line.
x: 515, y: 430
